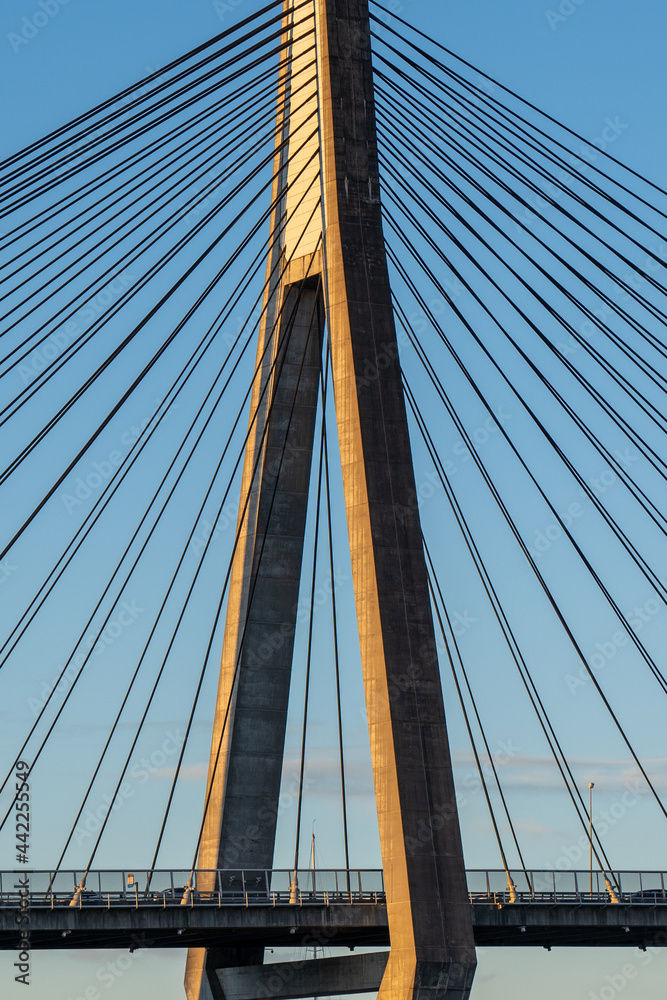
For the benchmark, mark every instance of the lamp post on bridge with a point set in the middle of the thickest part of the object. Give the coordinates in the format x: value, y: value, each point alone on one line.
x: 591, y: 786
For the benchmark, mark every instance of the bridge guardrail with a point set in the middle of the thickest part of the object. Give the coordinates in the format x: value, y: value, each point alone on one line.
x: 202, y: 887
x: 487, y: 885
x: 234, y: 887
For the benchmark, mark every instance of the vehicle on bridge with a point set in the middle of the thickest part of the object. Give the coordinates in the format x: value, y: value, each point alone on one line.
x: 649, y: 896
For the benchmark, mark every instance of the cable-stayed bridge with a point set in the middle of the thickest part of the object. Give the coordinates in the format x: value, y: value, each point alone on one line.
x: 432, y: 276
x: 345, y: 908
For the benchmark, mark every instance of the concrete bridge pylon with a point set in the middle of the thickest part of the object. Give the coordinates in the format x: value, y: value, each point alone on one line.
x: 334, y: 268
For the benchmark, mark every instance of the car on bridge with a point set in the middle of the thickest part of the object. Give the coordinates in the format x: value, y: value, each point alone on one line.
x: 177, y: 893
x: 649, y: 896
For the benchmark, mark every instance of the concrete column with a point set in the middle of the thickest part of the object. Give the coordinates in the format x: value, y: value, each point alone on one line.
x: 304, y: 167
x: 432, y: 947
x: 251, y: 710
x: 244, y: 775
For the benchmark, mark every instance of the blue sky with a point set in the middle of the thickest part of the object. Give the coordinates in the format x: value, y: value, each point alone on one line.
x: 585, y: 63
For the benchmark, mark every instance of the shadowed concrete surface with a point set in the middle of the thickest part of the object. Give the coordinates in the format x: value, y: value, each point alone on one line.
x: 545, y: 925
x: 251, y: 710
x: 308, y: 978
x: 251, y: 713
x: 433, y: 952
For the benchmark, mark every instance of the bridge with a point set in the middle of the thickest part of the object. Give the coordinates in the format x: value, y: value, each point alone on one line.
x: 345, y: 909
x: 457, y: 394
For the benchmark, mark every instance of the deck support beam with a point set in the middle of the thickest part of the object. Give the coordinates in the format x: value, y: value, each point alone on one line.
x: 313, y: 978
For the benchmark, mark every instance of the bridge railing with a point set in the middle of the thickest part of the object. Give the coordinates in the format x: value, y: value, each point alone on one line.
x: 492, y: 886
x: 234, y: 887
x: 184, y: 888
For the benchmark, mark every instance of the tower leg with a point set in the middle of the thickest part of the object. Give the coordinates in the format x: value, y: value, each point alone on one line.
x: 245, y: 767
x: 251, y: 711
x: 432, y: 947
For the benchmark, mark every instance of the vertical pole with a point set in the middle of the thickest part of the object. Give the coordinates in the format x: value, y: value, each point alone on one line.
x: 591, y: 786
x: 432, y: 946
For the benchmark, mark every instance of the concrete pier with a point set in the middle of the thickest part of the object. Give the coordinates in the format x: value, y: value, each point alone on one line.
x: 247, y: 747
x: 432, y: 945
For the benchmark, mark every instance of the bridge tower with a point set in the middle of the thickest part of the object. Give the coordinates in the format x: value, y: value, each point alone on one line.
x: 329, y: 263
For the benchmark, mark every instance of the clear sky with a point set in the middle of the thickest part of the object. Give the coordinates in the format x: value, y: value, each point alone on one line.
x: 585, y: 63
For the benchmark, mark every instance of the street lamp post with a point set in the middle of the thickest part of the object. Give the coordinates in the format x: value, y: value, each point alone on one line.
x: 591, y: 786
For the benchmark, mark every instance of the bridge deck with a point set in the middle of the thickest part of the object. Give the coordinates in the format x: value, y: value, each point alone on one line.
x: 631, y: 910
x: 336, y: 925
x: 201, y: 926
